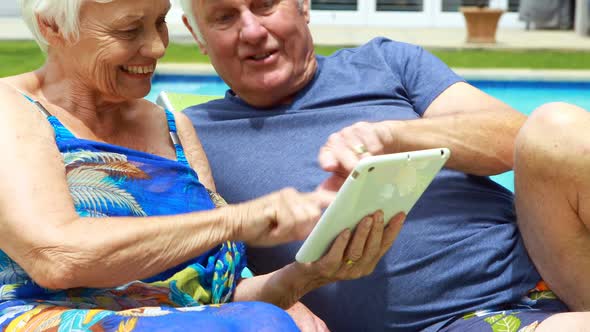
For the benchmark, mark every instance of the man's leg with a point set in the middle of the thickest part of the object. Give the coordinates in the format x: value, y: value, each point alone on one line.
x: 552, y: 184
x: 570, y: 322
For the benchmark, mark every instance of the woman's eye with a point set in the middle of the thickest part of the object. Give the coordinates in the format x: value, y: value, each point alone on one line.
x: 129, y: 33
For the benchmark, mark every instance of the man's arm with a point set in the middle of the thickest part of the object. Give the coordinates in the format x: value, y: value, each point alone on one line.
x: 479, y: 129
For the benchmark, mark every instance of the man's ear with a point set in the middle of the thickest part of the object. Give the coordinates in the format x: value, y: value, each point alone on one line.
x: 50, y: 31
x: 187, y: 24
x: 305, y: 10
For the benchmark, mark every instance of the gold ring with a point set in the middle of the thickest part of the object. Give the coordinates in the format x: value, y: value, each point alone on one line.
x: 349, y: 262
x: 360, y: 149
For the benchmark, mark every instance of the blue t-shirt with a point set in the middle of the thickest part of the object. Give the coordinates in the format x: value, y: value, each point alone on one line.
x: 459, y: 249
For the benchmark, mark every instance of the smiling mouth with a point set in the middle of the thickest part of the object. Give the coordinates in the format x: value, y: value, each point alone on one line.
x: 139, y: 70
x: 262, y: 56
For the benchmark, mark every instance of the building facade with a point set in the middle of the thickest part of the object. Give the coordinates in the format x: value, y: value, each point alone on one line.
x: 385, y: 13
x: 398, y: 13
x: 404, y: 13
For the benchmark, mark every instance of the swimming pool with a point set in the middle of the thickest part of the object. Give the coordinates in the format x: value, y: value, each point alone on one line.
x: 524, y: 96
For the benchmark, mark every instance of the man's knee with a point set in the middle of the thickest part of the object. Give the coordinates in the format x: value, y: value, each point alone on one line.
x: 573, y: 321
x: 551, y: 133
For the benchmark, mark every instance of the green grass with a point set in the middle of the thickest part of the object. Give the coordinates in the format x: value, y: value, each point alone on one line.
x: 20, y: 56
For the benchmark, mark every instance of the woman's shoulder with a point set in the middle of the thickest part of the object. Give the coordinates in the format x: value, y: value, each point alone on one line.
x: 19, y: 113
x: 24, y: 81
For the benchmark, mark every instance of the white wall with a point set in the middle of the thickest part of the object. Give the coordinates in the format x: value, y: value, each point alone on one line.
x: 9, y: 8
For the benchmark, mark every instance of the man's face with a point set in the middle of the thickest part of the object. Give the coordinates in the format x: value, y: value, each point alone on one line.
x: 261, y: 48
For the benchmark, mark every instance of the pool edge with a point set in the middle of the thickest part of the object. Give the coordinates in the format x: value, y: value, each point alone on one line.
x: 467, y: 73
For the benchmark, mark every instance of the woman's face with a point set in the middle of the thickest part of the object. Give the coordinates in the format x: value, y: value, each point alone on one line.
x: 119, y: 46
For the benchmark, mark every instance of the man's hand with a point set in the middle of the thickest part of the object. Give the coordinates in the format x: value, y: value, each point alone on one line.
x: 344, y: 149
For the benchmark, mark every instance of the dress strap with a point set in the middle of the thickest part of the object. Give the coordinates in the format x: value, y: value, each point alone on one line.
x: 180, y: 156
x: 61, y: 132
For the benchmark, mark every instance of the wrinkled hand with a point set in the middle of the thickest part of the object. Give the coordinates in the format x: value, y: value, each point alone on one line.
x: 356, y: 256
x: 280, y: 217
x: 306, y: 320
x: 344, y: 149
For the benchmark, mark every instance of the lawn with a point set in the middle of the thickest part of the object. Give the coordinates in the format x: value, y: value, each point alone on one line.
x: 20, y: 56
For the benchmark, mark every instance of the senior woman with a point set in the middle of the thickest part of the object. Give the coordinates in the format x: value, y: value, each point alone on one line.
x: 105, y: 223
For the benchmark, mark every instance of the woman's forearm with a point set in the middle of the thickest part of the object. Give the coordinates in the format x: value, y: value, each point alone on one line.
x: 283, y: 287
x: 109, y: 252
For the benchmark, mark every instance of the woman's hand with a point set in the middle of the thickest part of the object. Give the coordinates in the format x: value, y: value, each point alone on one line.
x: 349, y: 257
x: 280, y: 217
x: 306, y: 320
x: 356, y: 257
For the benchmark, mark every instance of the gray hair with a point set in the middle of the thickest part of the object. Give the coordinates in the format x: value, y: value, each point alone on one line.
x: 63, y: 13
x: 187, y: 8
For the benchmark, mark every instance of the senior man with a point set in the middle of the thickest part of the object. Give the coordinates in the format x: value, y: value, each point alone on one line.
x: 459, y: 262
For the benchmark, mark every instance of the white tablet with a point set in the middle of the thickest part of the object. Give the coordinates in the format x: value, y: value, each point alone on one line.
x: 391, y: 183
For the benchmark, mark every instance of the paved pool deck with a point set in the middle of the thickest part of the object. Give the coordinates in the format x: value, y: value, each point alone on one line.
x: 432, y: 38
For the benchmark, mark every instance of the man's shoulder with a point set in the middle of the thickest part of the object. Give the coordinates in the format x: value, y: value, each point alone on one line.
x: 378, y: 44
x: 222, y: 103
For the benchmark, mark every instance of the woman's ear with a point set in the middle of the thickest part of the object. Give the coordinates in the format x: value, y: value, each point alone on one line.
x: 50, y: 31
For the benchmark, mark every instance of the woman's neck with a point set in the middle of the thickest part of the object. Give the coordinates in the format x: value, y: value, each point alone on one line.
x: 82, y: 103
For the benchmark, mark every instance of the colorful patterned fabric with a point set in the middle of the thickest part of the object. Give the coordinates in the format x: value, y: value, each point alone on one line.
x: 538, y: 305
x: 106, y: 180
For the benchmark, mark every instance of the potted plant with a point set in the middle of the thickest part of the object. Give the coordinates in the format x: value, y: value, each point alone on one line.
x: 481, y: 22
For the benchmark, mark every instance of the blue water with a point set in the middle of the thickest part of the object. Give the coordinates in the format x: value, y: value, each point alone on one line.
x: 524, y: 96
x: 201, y: 85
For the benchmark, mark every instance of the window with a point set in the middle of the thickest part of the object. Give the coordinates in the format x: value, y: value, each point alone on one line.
x: 513, y: 5
x: 453, y: 5
x: 334, y: 4
x: 400, y: 5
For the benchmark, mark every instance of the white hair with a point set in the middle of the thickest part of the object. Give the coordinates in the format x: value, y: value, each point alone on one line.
x: 65, y: 14
x: 189, y: 12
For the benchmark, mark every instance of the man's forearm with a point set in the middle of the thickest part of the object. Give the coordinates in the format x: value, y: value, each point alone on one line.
x: 481, y: 143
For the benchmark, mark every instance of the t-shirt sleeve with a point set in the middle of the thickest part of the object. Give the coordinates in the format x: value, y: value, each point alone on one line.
x: 423, y: 75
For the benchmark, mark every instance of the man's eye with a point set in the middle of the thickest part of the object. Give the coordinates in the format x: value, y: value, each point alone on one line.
x: 224, y: 17
x: 264, y: 6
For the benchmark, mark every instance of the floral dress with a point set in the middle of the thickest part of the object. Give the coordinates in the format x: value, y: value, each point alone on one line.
x: 106, y: 181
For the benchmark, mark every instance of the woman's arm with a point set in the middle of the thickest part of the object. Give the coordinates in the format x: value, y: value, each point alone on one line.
x: 364, y: 249
x: 193, y: 150
x: 42, y: 232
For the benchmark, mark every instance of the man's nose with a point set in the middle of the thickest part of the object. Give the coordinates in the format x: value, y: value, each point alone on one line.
x: 252, y: 29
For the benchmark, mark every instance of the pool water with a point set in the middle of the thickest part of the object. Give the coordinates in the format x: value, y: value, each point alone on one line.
x: 528, y: 95
x: 524, y: 96
x: 201, y: 85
